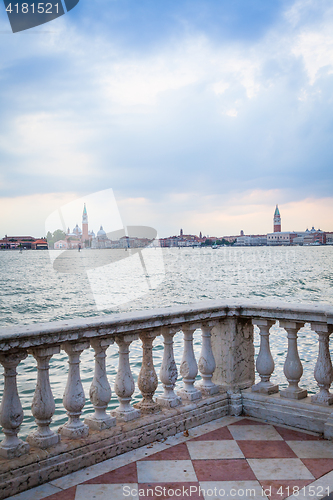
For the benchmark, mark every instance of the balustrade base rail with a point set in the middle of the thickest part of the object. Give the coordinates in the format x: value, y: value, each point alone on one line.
x: 300, y: 414
x: 42, y: 466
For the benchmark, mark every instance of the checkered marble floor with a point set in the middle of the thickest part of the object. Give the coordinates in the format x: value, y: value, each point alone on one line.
x: 235, y: 457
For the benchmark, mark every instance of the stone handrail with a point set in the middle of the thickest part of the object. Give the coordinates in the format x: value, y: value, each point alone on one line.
x: 226, y: 360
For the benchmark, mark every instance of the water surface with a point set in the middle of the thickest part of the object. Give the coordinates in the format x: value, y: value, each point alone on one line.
x: 31, y: 291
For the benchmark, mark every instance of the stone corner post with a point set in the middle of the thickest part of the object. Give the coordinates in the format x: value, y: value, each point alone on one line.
x: 233, y: 350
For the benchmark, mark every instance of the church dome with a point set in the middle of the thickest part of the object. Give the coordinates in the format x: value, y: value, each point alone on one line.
x: 77, y: 230
x: 101, y: 233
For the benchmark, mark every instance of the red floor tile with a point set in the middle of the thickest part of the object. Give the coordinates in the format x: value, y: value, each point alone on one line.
x: 177, y: 452
x: 217, y: 435
x: 64, y: 495
x: 248, y: 421
x: 223, y: 470
x: 126, y: 474
x: 169, y: 491
x: 318, y: 466
x: 278, y: 490
x: 291, y: 435
x: 266, y: 449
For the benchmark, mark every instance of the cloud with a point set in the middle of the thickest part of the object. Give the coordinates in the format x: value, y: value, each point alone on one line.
x: 48, y: 145
x: 185, y: 111
x: 26, y: 215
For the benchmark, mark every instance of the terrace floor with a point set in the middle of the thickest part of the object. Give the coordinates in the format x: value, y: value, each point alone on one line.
x: 235, y: 457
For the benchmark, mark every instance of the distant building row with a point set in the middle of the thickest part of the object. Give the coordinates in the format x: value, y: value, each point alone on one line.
x: 23, y: 242
x: 278, y: 237
x: 83, y: 238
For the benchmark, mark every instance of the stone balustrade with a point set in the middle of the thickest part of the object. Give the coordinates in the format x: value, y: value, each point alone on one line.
x: 226, y: 365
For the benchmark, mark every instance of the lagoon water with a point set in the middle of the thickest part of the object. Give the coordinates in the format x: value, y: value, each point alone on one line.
x: 32, y: 290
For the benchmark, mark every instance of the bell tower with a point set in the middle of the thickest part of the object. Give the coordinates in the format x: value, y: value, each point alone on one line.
x: 277, y: 220
x: 84, y: 225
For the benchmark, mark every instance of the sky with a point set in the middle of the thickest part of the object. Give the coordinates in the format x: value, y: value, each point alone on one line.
x: 198, y: 114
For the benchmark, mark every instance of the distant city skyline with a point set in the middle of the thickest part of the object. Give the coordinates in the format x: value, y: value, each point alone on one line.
x: 202, y: 115
x: 276, y: 223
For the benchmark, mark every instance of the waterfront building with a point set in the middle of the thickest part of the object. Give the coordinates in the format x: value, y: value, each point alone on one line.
x: 39, y: 244
x: 232, y: 239
x: 308, y: 237
x: 74, y: 238
x: 85, y: 234
x: 183, y: 240
x: 61, y: 245
x: 329, y: 238
x: 280, y: 238
x: 25, y: 242
x: 101, y: 240
x: 253, y: 240
x: 277, y: 220
x: 314, y: 237
x: 79, y: 238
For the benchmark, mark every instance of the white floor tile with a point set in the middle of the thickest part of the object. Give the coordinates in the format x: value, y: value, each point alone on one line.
x: 165, y: 471
x: 254, y: 432
x: 205, y: 450
x: 312, y: 449
x: 217, y: 490
x: 279, y: 468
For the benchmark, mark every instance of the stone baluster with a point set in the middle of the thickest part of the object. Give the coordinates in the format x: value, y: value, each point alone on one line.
x: 147, y: 381
x: 207, y: 362
x: 293, y: 368
x: 100, y: 391
x: 74, y: 398
x: 168, y: 372
x: 189, y: 367
x: 265, y: 363
x: 11, y: 408
x: 323, y: 369
x: 43, y: 406
x: 124, y: 383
